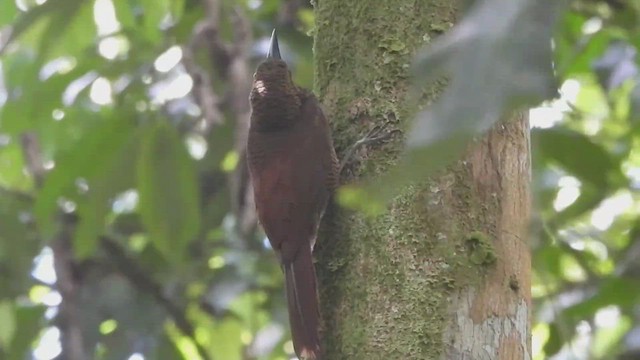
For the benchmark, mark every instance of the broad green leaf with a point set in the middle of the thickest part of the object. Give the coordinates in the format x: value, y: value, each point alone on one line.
x: 155, y: 12
x: 29, y: 320
x: 57, y: 14
x: 7, y: 323
x: 226, y: 339
x: 570, y: 150
x: 18, y: 243
x: 491, y: 70
x: 575, y: 50
x: 83, y: 160
x: 555, y: 342
x: 177, y: 9
x: 34, y: 107
x: 169, y: 193
x: 12, y: 164
x: 634, y: 112
x: 622, y: 292
x: 70, y: 33
x: 115, y: 176
x: 8, y: 12
x: 167, y: 350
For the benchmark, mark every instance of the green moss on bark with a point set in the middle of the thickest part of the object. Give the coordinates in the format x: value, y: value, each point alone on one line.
x: 385, y: 280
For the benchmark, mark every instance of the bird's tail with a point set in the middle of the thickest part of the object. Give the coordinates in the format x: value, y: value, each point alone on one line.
x: 302, y: 299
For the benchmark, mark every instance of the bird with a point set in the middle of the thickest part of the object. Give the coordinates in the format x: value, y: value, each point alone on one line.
x: 294, y: 171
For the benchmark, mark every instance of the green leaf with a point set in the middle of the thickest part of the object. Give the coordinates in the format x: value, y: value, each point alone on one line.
x: 167, y: 350
x: 71, y: 32
x: 115, y: 176
x: 83, y: 160
x: 124, y: 13
x: 18, y: 243
x: 622, y: 292
x: 154, y: 13
x: 575, y: 50
x: 177, y: 9
x: 492, y: 70
x: 634, y: 98
x: 12, y: 164
x: 34, y: 107
x: 571, y: 150
x: 58, y: 15
x: 169, y: 193
x: 7, y: 323
x: 227, y: 344
x: 8, y: 12
x: 29, y: 320
x: 555, y: 341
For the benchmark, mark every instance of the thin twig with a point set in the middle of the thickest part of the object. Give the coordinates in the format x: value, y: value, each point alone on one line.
x: 67, y: 284
x: 141, y: 281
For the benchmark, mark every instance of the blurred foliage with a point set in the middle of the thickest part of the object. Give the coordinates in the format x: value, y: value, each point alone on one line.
x: 168, y: 264
x: 162, y: 266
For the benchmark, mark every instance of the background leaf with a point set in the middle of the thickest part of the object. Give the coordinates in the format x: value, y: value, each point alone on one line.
x: 168, y: 190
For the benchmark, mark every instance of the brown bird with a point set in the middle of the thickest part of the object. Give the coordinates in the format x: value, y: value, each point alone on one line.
x: 294, y: 171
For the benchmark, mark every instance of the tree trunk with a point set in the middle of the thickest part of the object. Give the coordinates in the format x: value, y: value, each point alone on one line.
x: 444, y: 272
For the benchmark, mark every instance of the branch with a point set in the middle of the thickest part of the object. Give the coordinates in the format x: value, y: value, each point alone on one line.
x: 66, y: 283
x: 203, y: 91
x: 230, y: 62
x: 140, y: 280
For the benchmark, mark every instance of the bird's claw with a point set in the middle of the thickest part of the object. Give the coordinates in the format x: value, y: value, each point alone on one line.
x: 377, y: 134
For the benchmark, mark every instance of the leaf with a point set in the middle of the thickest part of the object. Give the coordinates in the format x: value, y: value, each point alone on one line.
x: 34, y: 106
x: 634, y: 98
x: 71, y: 32
x: 8, y: 12
x: 554, y: 342
x: 497, y: 58
x: 12, y: 164
x: 575, y: 50
x: 570, y: 149
x: 29, y: 320
x: 622, y: 292
x: 166, y: 350
x: 57, y: 14
x: 169, y: 193
x: 7, y: 323
x: 115, y: 176
x: 154, y: 13
x: 18, y: 243
x: 82, y: 160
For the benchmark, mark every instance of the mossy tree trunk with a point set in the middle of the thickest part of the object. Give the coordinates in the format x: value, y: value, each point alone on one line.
x: 444, y: 273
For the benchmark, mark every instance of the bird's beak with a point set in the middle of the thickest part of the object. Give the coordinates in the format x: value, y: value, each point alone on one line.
x: 274, y: 50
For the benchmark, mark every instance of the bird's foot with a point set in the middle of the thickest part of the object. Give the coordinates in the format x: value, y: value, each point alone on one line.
x: 378, y: 134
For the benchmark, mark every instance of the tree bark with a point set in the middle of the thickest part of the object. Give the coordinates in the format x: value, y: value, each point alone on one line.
x: 444, y: 272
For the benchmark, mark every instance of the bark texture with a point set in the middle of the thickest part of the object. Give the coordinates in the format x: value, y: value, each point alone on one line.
x: 444, y: 272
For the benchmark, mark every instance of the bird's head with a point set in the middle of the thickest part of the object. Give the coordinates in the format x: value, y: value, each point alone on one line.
x: 272, y: 74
